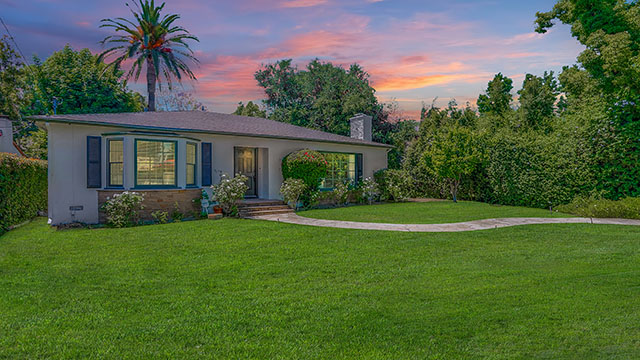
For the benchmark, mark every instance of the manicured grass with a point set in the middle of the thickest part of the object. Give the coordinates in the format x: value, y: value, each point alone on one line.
x: 436, y: 212
x: 257, y: 289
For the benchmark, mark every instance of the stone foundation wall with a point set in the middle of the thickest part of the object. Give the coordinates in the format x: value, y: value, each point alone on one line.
x: 160, y: 200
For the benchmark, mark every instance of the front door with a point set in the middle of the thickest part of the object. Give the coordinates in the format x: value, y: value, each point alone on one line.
x: 245, y: 164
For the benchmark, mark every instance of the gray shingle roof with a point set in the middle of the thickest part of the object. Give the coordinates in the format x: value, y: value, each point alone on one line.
x: 205, y: 122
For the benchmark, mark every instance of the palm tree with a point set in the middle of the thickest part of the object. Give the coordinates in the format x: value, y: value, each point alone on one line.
x: 151, y: 39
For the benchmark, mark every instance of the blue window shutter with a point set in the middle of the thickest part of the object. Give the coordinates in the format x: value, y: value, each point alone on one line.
x: 358, y: 168
x: 94, y: 162
x: 206, y: 164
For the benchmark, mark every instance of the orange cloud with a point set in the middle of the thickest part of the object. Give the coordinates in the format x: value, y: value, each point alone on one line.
x: 415, y: 82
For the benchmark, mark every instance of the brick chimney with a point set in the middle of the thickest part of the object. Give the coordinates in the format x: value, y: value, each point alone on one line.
x: 361, y: 127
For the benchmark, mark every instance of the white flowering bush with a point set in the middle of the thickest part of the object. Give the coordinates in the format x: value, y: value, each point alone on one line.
x: 292, y: 190
x: 229, y: 192
x: 341, y: 193
x: 122, y: 209
x: 368, y: 190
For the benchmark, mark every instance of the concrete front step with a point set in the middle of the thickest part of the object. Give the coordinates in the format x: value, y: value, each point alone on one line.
x: 255, y: 203
x: 265, y: 212
x: 259, y: 208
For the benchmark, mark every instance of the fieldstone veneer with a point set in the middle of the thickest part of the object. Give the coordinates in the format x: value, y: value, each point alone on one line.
x: 159, y: 200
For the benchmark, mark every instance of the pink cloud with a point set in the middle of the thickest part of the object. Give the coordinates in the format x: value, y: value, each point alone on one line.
x: 301, y: 3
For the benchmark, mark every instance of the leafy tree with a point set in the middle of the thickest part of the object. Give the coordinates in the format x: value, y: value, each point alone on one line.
x: 610, y: 31
x: 453, y: 156
x: 497, y: 98
x: 250, y: 109
x: 11, y: 69
x: 537, y: 100
x: 322, y: 96
x: 150, y: 40
x: 78, y: 84
x: 178, y: 101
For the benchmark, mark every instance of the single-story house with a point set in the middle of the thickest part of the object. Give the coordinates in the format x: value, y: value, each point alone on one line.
x: 171, y: 156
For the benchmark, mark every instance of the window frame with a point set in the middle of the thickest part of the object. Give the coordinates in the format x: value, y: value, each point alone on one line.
x: 135, y: 165
x: 108, y: 167
x: 355, y: 172
x: 187, y: 164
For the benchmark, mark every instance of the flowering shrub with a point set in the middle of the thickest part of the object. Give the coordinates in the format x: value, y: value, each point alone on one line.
x: 368, y: 190
x: 229, y: 192
x: 394, y: 185
x: 291, y: 191
x: 122, y: 209
x: 341, y: 193
x: 308, y: 165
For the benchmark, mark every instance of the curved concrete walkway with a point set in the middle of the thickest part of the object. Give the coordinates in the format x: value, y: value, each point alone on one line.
x: 292, y: 218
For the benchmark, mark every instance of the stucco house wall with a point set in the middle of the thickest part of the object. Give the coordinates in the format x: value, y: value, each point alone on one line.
x: 68, y: 192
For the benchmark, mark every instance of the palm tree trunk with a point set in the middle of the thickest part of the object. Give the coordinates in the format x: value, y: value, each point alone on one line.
x: 151, y: 83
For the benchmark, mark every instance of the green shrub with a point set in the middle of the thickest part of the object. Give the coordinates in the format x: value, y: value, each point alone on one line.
x: 307, y: 165
x: 394, y: 185
x: 23, y: 189
x: 627, y: 208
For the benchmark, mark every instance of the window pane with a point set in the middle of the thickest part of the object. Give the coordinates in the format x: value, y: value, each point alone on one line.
x: 115, y: 174
x: 115, y: 162
x: 191, y: 153
x: 115, y: 150
x: 155, y: 162
x: 191, y: 174
x: 341, y: 168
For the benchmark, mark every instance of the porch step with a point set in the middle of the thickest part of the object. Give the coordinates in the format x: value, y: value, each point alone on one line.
x: 260, y: 208
x: 265, y: 212
x: 250, y: 208
x: 254, y: 203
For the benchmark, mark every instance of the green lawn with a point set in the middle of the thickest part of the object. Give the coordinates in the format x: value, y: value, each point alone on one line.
x: 436, y: 212
x: 257, y: 289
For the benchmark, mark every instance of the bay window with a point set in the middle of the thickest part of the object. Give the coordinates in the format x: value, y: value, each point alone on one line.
x: 155, y: 163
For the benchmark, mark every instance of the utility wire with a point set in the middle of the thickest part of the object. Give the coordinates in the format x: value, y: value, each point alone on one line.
x: 17, y: 47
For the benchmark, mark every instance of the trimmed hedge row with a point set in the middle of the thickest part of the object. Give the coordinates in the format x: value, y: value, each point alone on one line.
x: 23, y: 189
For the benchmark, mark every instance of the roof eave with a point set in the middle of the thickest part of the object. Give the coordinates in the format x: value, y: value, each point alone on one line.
x: 160, y: 128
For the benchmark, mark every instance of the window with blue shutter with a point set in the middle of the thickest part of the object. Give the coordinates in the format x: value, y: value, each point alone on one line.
x: 94, y: 160
x: 206, y: 164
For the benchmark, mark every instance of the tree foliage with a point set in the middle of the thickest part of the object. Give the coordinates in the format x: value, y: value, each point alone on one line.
x: 169, y: 100
x: 11, y: 70
x: 454, y: 155
x: 250, y: 109
x: 537, y: 101
x: 78, y: 84
x: 322, y: 96
x: 497, y: 98
x: 610, y: 31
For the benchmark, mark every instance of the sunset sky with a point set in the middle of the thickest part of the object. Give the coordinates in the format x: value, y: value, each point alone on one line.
x: 414, y: 50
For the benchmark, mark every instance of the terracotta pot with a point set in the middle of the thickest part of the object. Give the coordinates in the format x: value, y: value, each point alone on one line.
x: 217, y: 210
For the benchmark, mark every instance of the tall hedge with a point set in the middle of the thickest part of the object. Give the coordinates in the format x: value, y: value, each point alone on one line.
x: 23, y: 189
x: 537, y: 170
